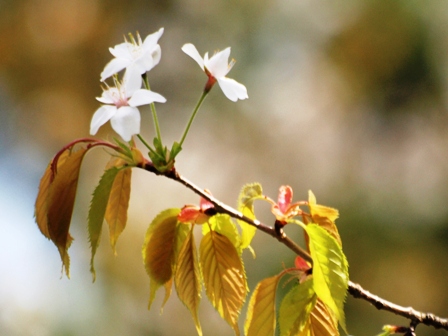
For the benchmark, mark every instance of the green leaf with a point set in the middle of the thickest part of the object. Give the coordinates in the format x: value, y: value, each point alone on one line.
x: 126, y: 150
x: 187, y: 278
x: 388, y: 330
x: 330, y: 270
x: 97, y: 211
x: 117, y: 206
x: 224, y: 225
x: 159, y: 248
x: 175, y: 149
x: 60, y: 203
x: 159, y: 147
x: 260, y: 320
x: 249, y: 193
x: 324, y: 216
x: 224, y: 276
x: 296, y: 307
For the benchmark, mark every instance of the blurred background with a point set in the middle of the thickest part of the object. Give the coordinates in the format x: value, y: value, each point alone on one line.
x: 346, y: 98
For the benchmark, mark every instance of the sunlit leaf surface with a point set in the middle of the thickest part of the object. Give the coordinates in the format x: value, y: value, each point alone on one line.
x: 117, y: 207
x: 330, y: 270
x: 261, y: 317
x: 224, y: 277
x: 296, y: 307
x: 248, y: 195
x: 187, y: 278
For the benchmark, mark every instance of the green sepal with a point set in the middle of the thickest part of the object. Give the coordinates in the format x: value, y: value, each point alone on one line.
x: 175, y: 149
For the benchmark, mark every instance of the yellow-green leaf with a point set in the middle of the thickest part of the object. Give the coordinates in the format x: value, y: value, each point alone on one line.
x: 159, y: 249
x: 249, y: 193
x: 61, y: 200
x: 97, y: 211
x: 330, y: 270
x: 187, y: 278
x: 260, y: 320
x: 324, y: 216
x: 41, y: 205
x: 224, y: 225
x: 117, y: 207
x: 296, y: 307
x: 224, y: 277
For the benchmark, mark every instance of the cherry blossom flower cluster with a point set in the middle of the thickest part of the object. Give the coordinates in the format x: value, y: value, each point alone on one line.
x: 136, y: 58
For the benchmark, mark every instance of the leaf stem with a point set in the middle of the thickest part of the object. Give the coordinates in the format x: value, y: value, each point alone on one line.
x: 153, y: 111
x: 144, y: 142
x: 187, y: 128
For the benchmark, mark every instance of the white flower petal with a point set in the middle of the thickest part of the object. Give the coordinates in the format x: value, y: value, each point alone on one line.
x: 152, y: 39
x: 149, y: 59
x: 132, y: 80
x: 218, y: 64
x: 126, y: 122
x: 114, y: 66
x: 105, y: 98
x: 156, y: 55
x: 144, y: 97
x: 122, y: 50
x: 100, y: 117
x: 191, y: 51
x: 232, y: 89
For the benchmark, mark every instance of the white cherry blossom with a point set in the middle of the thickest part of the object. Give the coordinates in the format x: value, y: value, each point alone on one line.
x: 217, y: 67
x: 121, y: 109
x: 136, y: 56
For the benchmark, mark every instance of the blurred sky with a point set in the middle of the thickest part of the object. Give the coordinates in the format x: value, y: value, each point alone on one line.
x: 347, y: 98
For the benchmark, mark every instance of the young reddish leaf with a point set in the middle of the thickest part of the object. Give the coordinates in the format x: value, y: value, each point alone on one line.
x: 324, y: 216
x: 224, y: 277
x: 41, y: 206
x: 260, y: 320
x: 159, y: 249
x: 61, y: 200
x: 117, y: 207
x: 295, y: 308
x: 248, y: 195
x: 224, y: 225
x: 97, y: 211
x: 187, y: 278
x: 301, y: 264
x: 330, y: 270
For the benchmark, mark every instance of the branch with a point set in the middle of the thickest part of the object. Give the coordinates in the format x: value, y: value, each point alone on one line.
x: 415, y: 316
x: 354, y: 289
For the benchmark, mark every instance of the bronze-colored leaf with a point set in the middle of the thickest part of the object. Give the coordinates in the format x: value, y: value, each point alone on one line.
x: 61, y: 199
x: 322, y: 321
x: 117, y: 206
x: 224, y: 276
x: 160, y: 246
x: 41, y: 205
x: 187, y: 278
x: 260, y: 320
